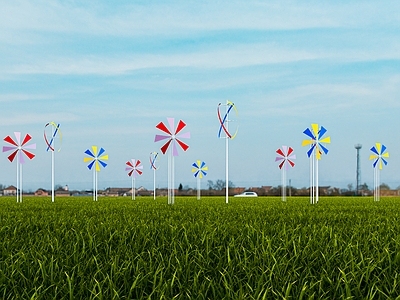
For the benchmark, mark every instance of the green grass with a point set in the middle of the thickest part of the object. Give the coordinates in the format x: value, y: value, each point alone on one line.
x: 116, y: 248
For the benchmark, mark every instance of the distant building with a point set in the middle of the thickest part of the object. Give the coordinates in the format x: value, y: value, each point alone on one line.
x: 41, y: 192
x: 10, y: 191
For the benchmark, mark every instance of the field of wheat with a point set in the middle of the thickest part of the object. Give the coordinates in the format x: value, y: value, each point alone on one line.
x: 261, y: 248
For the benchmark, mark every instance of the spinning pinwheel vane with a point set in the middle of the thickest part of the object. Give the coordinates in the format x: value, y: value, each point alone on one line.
x: 134, y: 168
x: 95, y: 159
x: 19, y: 151
x: 153, y: 166
x: 173, y: 136
x: 316, y: 141
x: 285, y: 158
x: 224, y: 132
x: 379, y: 156
x: 50, y: 140
x: 199, y: 169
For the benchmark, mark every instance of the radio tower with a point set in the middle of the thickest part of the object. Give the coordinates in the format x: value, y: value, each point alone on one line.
x: 358, y: 147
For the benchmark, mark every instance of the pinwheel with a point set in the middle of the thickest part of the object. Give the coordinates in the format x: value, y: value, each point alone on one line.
x: 173, y: 136
x: 95, y: 159
x: 153, y: 160
x: 379, y: 157
x: 285, y: 158
x: 224, y: 132
x: 134, y: 169
x: 50, y: 140
x: 316, y: 141
x: 19, y: 151
x: 199, y: 169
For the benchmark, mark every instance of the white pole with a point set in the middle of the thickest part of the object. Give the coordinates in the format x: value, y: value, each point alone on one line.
x: 18, y: 188
x: 20, y: 182
x: 94, y: 183
x: 154, y: 184
x: 173, y: 180
x: 316, y: 181
x: 198, y: 188
x: 52, y: 176
x: 169, y: 177
x: 134, y: 188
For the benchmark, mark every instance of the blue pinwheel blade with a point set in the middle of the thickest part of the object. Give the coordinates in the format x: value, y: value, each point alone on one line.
x: 373, y: 149
x: 88, y: 152
x: 204, y: 173
x: 203, y: 164
x: 383, y: 149
x: 101, y: 152
x: 196, y: 174
x: 321, y: 132
x: 194, y: 165
x: 90, y: 166
x: 309, y: 133
x: 375, y: 163
x: 324, y: 149
x: 102, y: 163
x: 309, y: 152
x: 384, y: 161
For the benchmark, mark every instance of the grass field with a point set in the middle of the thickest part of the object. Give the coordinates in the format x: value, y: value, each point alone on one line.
x: 117, y: 248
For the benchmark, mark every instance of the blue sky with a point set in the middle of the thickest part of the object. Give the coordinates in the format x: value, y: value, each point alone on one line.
x: 108, y: 73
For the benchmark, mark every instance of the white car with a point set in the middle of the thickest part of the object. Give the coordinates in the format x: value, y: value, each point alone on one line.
x: 247, y: 194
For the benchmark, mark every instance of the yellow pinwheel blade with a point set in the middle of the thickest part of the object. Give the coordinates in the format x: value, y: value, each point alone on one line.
x: 378, y: 147
x: 307, y: 142
x: 373, y: 156
x: 386, y: 155
x: 87, y: 159
x: 194, y: 170
x: 315, y: 129
x: 97, y: 166
x: 104, y: 157
x: 205, y: 169
x: 326, y: 140
x: 94, y: 148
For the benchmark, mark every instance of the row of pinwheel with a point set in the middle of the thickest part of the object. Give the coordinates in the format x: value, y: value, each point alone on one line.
x: 172, y: 137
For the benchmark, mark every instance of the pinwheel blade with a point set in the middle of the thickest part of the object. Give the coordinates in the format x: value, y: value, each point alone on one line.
x: 90, y: 166
x: 290, y: 151
x: 309, y: 133
x: 163, y: 128
x: 164, y: 148
x: 9, y: 140
x: 321, y: 132
x: 383, y: 149
x: 373, y: 149
x: 180, y: 127
x: 324, y: 149
x: 88, y: 152
x: 280, y: 152
x: 309, y: 152
x: 12, y: 156
x: 27, y: 138
x: 161, y: 137
x: 101, y: 151
x: 30, y: 155
x: 183, y: 145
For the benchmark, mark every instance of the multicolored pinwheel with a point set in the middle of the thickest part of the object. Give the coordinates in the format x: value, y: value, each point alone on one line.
x: 228, y: 134
x: 199, y: 169
x: 316, y: 141
x: 134, y: 168
x: 379, y: 157
x: 173, y: 137
x: 50, y: 139
x: 285, y: 158
x: 19, y: 151
x: 95, y: 159
x: 153, y: 160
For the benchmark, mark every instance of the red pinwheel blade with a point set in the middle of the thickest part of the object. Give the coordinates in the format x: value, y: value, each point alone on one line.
x: 163, y: 128
x: 164, y: 148
x: 180, y: 126
x: 12, y: 156
x: 9, y: 140
x: 183, y: 145
x: 137, y: 163
x: 129, y: 164
x: 30, y: 155
x: 27, y: 138
x: 291, y: 163
x: 290, y: 151
x: 281, y: 164
x: 280, y: 152
x: 130, y: 173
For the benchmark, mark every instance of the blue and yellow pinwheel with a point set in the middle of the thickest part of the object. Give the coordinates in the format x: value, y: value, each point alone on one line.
x: 95, y: 158
x: 199, y: 169
x: 379, y: 155
x: 316, y: 140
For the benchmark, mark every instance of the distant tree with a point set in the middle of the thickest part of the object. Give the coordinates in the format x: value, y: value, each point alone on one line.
x: 210, y: 184
x: 384, y: 186
x: 363, y: 187
x: 180, y: 188
x: 350, y: 187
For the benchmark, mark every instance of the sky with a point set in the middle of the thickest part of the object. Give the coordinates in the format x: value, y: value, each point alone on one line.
x: 109, y: 71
